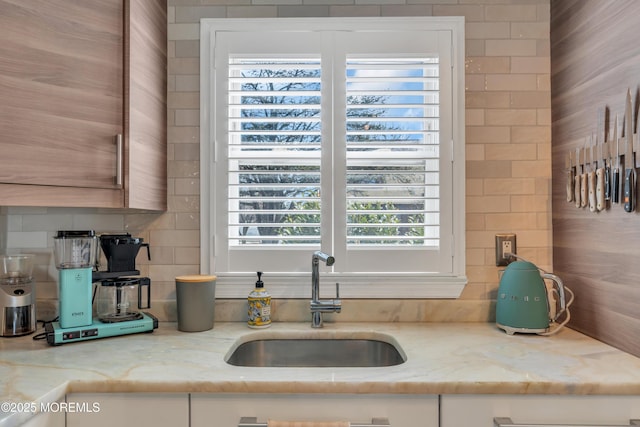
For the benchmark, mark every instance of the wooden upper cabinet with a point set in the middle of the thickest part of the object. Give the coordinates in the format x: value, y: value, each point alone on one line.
x: 73, y: 76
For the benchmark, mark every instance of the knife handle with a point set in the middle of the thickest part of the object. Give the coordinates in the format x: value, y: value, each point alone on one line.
x: 607, y: 183
x: 630, y: 190
x: 615, y: 186
x: 591, y: 188
x: 600, y: 187
x: 576, y: 190
x: 583, y: 191
x: 570, y: 185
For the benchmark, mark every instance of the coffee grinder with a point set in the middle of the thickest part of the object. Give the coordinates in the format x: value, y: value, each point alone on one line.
x: 17, y: 295
x: 119, y: 292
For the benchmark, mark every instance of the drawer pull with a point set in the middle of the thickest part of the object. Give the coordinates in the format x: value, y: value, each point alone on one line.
x: 506, y: 422
x: 119, y: 159
x: 253, y: 422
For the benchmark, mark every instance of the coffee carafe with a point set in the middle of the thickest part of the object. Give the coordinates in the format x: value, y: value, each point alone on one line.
x: 120, y: 299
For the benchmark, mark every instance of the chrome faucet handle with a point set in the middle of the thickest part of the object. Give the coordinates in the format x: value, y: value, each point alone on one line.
x: 337, y: 304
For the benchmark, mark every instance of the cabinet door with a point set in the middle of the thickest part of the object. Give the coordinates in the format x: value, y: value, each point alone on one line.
x: 479, y: 410
x: 225, y: 410
x: 145, y: 165
x: 129, y: 410
x: 72, y: 77
x: 61, y: 85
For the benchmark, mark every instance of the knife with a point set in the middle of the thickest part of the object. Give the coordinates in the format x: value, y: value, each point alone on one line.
x: 600, y: 176
x: 584, y: 200
x: 591, y: 179
x: 615, y: 175
x: 576, y: 188
x: 606, y: 161
x: 570, y: 176
x: 629, y: 162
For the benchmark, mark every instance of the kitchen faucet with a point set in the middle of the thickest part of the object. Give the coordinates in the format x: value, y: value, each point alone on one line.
x: 318, y: 306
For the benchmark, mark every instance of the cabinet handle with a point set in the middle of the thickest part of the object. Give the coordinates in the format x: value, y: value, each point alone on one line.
x: 119, y: 159
x: 253, y: 422
x: 506, y: 422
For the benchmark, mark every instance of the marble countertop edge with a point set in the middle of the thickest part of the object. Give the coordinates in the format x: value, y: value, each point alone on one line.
x: 366, y: 387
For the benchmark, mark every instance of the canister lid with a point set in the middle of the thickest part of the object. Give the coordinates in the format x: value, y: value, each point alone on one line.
x: 196, y: 278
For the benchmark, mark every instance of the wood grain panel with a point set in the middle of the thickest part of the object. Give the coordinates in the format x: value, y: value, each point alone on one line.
x: 62, y: 91
x: 595, y: 58
x: 46, y: 195
x: 146, y: 115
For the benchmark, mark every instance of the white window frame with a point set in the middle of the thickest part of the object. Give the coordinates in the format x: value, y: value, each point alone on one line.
x: 353, y: 285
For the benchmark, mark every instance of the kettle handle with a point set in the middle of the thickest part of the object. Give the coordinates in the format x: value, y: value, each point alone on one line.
x: 560, y: 286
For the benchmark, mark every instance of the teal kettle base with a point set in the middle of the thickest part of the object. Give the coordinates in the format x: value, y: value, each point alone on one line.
x: 511, y: 330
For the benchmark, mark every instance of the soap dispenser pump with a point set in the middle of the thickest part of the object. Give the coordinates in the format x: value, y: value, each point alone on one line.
x: 259, y: 306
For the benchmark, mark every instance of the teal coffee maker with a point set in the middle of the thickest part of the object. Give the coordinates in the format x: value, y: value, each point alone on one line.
x: 119, y: 288
x: 524, y: 304
x: 75, y: 255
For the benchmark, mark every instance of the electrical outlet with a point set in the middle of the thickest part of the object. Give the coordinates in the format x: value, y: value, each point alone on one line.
x: 505, y: 244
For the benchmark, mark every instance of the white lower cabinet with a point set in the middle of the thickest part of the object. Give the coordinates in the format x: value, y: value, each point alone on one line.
x: 480, y: 410
x: 408, y: 410
x: 46, y: 419
x: 225, y: 410
x: 128, y: 410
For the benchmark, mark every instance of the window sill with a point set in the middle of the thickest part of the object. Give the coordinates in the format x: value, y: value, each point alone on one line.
x: 378, y: 285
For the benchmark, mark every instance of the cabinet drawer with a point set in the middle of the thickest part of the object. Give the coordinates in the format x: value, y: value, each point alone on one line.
x: 129, y: 410
x: 225, y: 410
x: 480, y: 410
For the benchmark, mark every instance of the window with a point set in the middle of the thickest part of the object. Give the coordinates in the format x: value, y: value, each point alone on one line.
x: 341, y: 135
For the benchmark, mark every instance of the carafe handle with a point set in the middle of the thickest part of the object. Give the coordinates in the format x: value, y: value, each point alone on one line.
x: 146, y: 282
x: 560, y: 286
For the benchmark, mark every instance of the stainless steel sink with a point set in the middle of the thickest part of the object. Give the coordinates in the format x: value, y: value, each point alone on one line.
x: 316, y: 352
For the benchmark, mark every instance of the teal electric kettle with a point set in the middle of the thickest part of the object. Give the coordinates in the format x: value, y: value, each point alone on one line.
x: 523, y: 301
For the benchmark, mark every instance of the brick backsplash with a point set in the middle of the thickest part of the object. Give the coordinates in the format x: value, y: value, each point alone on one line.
x: 508, y: 137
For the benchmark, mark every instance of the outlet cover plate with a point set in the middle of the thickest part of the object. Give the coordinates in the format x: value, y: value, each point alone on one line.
x: 505, y: 240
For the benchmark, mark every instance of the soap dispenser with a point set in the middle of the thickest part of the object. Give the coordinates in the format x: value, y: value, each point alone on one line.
x: 259, y: 306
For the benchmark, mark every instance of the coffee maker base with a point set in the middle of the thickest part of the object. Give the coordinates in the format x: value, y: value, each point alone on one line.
x: 57, y: 335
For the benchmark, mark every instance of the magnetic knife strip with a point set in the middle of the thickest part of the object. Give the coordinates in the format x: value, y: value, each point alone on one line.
x: 597, y: 176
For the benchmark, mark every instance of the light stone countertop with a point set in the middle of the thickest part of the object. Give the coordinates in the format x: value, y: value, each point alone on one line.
x: 442, y: 358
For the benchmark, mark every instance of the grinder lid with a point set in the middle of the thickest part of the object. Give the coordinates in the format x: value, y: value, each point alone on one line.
x: 63, y: 234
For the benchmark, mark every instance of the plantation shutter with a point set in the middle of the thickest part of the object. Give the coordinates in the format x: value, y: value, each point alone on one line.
x: 274, y: 151
x: 392, y: 142
x: 397, y: 152
x: 268, y: 150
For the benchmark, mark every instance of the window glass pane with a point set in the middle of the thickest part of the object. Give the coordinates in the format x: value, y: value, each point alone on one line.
x: 274, y: 151
x: 393, y: 152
